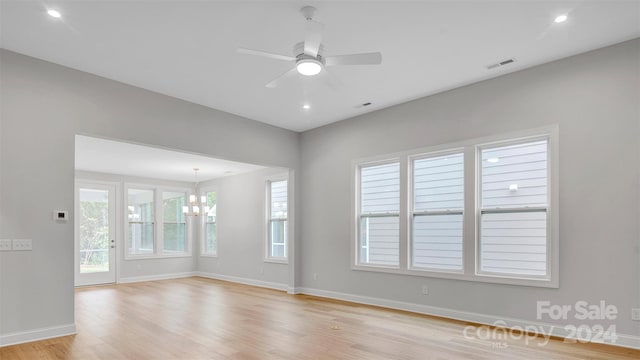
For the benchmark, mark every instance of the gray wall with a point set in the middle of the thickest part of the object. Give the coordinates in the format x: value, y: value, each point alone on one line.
x: 43, y: 106
x: 592, y: 97
x: 241, y: 229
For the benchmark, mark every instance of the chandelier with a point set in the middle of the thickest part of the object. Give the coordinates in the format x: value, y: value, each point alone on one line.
x: 193, y: 208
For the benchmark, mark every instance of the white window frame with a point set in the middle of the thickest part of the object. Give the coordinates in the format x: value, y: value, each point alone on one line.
x: 358, y: 214
x: 480, y: 208
x: 412, y: 212
x: 203, y: 226
x: 158, y: 227
x: 267, y: 225
x: 471, y: 212
x: 160, y: 217
x: 154, y: 253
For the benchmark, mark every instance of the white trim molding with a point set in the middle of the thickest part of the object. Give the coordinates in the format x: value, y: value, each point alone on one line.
x: 37, y: 334
x: 294, y: 290
x: 245, y: 281
x: 134, y: 279
x: 623, y: 340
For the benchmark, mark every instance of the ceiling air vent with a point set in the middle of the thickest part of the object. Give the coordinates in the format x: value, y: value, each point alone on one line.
x: 501, y: 63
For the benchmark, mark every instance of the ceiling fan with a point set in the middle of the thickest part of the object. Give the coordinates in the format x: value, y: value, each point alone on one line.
x: 308, y: 56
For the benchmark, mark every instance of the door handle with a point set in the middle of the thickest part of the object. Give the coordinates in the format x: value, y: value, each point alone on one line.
x: 113, y: 244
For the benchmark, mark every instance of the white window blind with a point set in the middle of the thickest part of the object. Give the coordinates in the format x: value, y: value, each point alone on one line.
x: 514, y: 205
x: 438, y: 203
x: 379, y: 214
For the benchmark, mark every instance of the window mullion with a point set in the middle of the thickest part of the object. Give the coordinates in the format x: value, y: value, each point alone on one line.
x: 470, y: 214
x: 159, y: 222
x: 403, y: 236
x: 431, y: 212
x: 513, y: 210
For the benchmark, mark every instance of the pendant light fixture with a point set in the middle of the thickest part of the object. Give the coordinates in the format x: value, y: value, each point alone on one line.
x: 193, y: 209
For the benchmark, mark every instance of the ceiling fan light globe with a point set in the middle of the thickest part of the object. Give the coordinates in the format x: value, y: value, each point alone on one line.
x: 309, y: 67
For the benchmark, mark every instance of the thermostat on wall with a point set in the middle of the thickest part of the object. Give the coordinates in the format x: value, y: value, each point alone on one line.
x: 60, y: 215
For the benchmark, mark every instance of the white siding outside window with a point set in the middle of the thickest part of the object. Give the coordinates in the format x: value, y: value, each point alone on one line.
x: 379, y: 220
x: 482, y: 210
x: 513, y: 211
x: 438, y: 204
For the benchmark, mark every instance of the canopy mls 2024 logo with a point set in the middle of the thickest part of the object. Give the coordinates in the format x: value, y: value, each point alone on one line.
x: 586, y: 323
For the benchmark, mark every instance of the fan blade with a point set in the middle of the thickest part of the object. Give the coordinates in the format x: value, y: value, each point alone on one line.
x: 275, y: 82
x: 313, y: 38
x: 374, y: 58
x: 333, y: 82
x: 266, y: 54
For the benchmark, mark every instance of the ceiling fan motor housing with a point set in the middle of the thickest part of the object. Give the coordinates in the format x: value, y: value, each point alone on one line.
x: 298, y: 52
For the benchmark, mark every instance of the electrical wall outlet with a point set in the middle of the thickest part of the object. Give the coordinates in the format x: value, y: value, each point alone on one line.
x: 5, y: 244
x: 22, y: 245
x: 635, y: 314
x: 425, y: 290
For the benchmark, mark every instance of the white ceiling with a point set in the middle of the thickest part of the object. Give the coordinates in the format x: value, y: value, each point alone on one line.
x: 186, y: 49
x: 114, y: 157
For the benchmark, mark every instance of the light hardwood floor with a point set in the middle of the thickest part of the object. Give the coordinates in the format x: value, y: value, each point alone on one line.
x: 197, y: 318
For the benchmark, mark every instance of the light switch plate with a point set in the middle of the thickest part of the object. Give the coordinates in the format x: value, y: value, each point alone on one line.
x: 5, y: 244
x: 22, y: 245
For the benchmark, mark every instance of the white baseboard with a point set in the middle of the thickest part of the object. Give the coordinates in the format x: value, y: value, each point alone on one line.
x: 37, y: 334
x: 623, y: 340
x: 134, y: 279
x: 241, y: 280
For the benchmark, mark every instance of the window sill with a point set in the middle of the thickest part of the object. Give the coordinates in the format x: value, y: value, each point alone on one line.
x: 209, y: 255
x: 283, y: 261
x: 480, y: 278
x: 151, y: 257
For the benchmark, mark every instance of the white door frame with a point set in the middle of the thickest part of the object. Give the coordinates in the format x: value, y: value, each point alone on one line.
x: 114, y: 223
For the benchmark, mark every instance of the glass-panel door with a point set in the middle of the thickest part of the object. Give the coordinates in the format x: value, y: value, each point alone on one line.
x: 95, y: 234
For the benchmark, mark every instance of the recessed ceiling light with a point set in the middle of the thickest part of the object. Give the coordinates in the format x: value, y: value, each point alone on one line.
x: 54, y: 13
x: 493, y: 160
x: 306, y: 106
x: 561, y: 18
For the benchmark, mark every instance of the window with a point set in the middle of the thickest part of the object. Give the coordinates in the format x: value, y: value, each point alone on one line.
x: 157, y: 226
x: 174, y: 226
x: 437, y: 217
x: 379, y: 220
x: 210, y: 231
x: 141, y: 221
x: 479, y: 210
x: 277, y: 218
x: 513, y: 209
